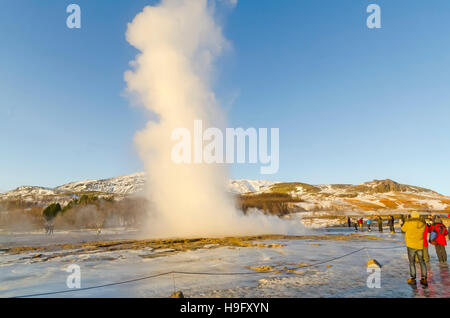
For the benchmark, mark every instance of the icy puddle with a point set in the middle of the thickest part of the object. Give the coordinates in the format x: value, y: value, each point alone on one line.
x: 318, y: 265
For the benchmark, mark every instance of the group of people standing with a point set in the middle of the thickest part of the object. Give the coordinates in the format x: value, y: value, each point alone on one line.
x: 360, y: 223
x: 418, y: 234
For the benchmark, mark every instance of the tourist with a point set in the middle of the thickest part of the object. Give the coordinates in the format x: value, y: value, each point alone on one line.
x: 438, y: 239
x: 380, y: 224
x: 414, y: 229
x: 391, y: 222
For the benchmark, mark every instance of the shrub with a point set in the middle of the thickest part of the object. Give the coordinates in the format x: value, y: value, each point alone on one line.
x: 51, y: 211
x: 271, y: 203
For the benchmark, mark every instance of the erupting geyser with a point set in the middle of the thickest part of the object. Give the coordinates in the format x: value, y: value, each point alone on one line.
x: 178, y: 41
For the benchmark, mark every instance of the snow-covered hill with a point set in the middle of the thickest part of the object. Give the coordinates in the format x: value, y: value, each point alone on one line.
x: 29, y: 191
x: 376, y: 195
x: 123, y: 185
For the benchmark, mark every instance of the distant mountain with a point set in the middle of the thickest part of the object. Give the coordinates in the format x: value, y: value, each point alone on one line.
x: 29, y: 191
x: 123, y: 185
x: 376, y: 195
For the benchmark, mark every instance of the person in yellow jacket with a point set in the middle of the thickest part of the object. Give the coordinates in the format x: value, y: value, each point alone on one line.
x: 414, y: 228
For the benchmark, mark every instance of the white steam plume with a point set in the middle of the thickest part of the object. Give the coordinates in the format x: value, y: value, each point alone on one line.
x: 178, y: 41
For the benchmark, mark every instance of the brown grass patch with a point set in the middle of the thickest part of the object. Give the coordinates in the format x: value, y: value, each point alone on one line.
x: 413, y: 205
x: 180, y: 245
x: 389, y: 203
x: 261, y: 268
x: 365, y: 206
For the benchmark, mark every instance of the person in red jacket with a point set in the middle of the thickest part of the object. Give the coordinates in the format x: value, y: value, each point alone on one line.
x: 426, y: 255
x: 361, y: 224
x: 441, y: 241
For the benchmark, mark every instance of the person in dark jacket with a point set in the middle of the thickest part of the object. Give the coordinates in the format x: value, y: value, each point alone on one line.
x: 380, y: 224
x: 391, y: 223
x: 441, y: 241
x: 349, y: 222
x: 355, y: 224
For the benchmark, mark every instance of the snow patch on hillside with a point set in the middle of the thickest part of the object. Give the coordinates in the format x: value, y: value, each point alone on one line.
x: 124, y: 185
x: 249, y: 186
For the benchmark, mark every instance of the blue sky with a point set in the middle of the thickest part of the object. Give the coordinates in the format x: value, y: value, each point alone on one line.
x: 352, y: 104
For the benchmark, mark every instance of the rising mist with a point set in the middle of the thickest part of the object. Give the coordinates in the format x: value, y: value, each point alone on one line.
x: 179, y: 41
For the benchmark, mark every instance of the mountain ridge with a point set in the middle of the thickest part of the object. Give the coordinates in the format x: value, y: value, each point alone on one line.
x: 384, y: 194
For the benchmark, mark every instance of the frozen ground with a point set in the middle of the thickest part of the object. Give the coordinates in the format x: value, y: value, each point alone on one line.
x: 21, y: 274
x: 38, y: 238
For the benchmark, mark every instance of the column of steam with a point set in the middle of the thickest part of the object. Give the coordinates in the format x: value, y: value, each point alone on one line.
x: 178, y: 41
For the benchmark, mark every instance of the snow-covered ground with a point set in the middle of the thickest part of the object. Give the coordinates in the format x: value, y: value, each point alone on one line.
x: 38, y: 237
x: 21, y: 274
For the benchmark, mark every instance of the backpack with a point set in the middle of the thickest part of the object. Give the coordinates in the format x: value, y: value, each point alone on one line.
x: 434, y: 234
x: 433, y: 237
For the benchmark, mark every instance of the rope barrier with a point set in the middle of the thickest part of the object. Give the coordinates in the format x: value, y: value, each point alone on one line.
x: 200, y: 273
